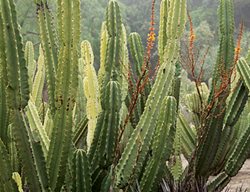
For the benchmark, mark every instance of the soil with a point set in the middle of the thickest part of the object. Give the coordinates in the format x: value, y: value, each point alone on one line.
x: 241, y: 180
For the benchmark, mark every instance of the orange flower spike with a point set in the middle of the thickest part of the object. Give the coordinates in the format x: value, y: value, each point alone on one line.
x: 237, y: 50
x: 192, y: 37
x: 238, y: 46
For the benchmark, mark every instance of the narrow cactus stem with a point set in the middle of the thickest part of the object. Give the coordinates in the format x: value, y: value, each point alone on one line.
x: 218, y: 183
x: 3, y: 82
x: 103, y: 51
x: 162, y: 39
x: 39, y: 79
x: 29, y: 57
x: 161, y: 150
x: 81, y: 172
x: 49, y: 46
x: 37, y: 130
x: 136, y: 51
x: 125, y: 63
x: 225, y: 60
x: 65, y: 92
x: 18, y: 90
x: 91, y: 90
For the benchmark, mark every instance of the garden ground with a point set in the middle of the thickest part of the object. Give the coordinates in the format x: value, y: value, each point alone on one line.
x: 242, y: 179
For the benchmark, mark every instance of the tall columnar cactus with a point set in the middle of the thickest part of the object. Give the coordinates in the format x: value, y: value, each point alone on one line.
x: 65, y: 93
x: 213, y: 125
x: 15, y: 65
x: 124, y: 64
x: 80, y: 107
x: 135, y: 152
x: 50, y: 47
x: 102, y: 150
x: 218, y: 130
x: 137, y: 55
x: 162, y: 39
x: 17, y: 90
x: 103, y: 52
x: 137, y: 52
x: 225, y: 59
x: 91, y: 90
x: 3, y: 95
x: 38, y: 82
x: 112, y: 162
x: 29, y: 57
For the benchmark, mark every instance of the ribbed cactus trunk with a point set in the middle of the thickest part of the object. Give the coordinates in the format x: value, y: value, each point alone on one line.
x: 81, y: 172
x: 213, y: 125
x: 65, y: 92
x: 102, y: 150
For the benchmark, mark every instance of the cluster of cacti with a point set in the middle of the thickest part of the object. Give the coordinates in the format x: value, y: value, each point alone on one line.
x: 64, y: 127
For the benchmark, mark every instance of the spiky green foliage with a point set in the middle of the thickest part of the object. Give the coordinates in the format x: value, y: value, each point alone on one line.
x: 135, y: 152
x: 39, y: 134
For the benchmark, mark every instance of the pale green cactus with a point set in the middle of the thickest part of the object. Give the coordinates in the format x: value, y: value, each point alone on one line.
x: 29, y: 57
x: 91, y: 90
x: 39, y: 79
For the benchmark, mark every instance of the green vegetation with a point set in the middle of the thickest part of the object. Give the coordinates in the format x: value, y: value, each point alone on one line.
x: 64, y: 127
